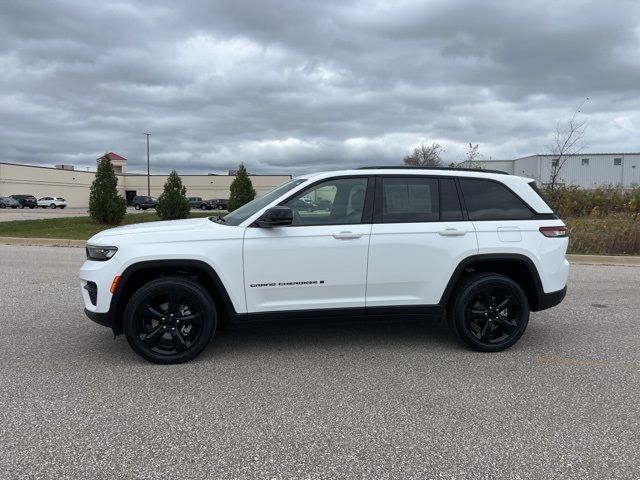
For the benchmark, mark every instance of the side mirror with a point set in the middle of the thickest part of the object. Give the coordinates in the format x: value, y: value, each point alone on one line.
x: 276, y: 217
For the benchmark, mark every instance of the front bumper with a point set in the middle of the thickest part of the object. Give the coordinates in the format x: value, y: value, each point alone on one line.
x: 104, y: 319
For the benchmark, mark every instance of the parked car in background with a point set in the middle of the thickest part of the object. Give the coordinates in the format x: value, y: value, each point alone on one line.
x: 219, y: 203
x: 198, y: 202
x: 26, y: 201
x: 52, y: 202
x: 8, y: 202
x: 141, y: 202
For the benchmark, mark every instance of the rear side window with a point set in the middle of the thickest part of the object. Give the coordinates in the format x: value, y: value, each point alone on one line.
x: 410, y: 199
x: 488, y: 200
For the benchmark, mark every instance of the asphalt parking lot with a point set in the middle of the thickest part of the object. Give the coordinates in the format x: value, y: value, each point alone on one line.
x: 10, y: 214
x: 383, y: 400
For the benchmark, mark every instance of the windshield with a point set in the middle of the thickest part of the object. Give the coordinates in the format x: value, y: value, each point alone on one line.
x: 241, y: 214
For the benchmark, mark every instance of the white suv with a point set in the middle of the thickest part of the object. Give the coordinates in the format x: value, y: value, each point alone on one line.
x: 479, y: 248
x: 52, y: 202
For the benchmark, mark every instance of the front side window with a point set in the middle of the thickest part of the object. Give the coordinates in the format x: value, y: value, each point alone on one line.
x: 490, y: 200
x: 333, y: 202
x: 410, y: 199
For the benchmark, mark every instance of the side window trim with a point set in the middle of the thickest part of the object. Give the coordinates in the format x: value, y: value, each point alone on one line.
x: 367, y: 211
x: 463, y: 205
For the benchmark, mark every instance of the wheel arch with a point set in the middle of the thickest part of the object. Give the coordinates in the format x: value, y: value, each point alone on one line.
x: 519, y: 268
x: 137, y: 274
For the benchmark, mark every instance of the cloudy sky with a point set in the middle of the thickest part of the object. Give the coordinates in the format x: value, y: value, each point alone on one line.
x: 290, y: 87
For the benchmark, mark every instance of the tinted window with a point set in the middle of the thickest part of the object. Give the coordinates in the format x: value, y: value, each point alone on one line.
x: 487, y: 200
x: 409, y: 199
x: 449, y: 202
x: 334, y: 202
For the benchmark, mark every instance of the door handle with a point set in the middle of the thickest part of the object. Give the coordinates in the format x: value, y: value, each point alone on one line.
x: 452, y: 232
x: 346, y: 235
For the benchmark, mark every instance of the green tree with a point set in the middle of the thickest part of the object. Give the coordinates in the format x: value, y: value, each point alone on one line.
x: 173, y: 203
x: 241, y: 189
x: 105, y: 205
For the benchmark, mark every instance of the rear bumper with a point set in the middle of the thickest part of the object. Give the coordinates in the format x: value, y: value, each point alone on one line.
x: 548, y: 300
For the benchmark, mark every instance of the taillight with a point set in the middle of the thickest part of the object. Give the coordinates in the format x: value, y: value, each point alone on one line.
x: 554, y: 232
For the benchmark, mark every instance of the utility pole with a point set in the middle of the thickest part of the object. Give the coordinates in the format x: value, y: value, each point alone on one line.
x: 148, y: 177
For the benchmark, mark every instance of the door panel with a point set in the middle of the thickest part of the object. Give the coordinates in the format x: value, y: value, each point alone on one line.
x: 411, y: 263
x: 300, y: 268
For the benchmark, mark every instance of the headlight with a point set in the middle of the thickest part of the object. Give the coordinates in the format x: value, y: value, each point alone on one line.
x: 100, y: 254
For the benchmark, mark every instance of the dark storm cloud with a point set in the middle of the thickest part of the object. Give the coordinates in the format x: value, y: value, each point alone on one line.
x: 298, y: 86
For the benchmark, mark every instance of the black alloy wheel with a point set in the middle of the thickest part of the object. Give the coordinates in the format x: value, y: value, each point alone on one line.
x: 170, y: 320
x: 490, y: 313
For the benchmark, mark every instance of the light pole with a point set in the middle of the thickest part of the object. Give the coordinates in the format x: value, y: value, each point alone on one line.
x: 148, y: 178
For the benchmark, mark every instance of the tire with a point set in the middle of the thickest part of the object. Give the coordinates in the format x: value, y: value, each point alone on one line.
x: 203, y: 207
x: 53, y: 205
x: 220, y: 207
x: 136, y: 206
x: 32, y: 207
x: 144, y: 208
x: 62, y: 207
x: 491, y: 329
x: 2, y: 205
x: 157, y: 336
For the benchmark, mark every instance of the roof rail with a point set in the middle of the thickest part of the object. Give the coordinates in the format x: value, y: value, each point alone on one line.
x: 453, y: 169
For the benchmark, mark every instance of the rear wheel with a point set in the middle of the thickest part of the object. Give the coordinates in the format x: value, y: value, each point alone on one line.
x: 490, y: 313
x: 2, y: 205
x: 170, y: 320
x: 203, y: 207
x: 53, y: 205
x: 136, y: 206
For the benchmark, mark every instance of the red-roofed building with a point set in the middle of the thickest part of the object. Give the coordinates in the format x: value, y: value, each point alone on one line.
x: 117, y: 161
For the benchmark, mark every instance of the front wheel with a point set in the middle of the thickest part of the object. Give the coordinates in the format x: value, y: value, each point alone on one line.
x: 53, y: 205
x: 490, y: 313
x: 136, y: 206
x: 2, y: 205
x: 203, y: 207
x: 170, y: 320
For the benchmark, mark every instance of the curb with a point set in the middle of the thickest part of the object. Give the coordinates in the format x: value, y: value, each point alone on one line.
x: 42, y: 242
x: 616, y: 260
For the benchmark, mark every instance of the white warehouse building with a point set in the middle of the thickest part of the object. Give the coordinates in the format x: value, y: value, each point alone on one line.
x: 586, y: 170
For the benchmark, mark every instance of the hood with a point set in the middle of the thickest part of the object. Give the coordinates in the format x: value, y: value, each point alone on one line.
x: 113, y: 236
